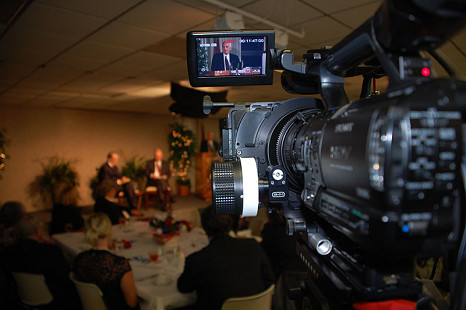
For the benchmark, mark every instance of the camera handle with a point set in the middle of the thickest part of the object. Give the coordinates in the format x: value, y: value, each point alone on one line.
x: 208, y: 105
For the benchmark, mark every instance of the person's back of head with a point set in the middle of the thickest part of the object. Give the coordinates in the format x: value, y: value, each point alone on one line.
x: 215, y: 225
x: 69, y: 196
x: 11, y: 213
x: 32, y: 227
x: 97, y: 226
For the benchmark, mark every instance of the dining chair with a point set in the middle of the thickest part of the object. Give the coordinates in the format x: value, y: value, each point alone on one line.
x: 32, y: 289
x: 261, y: 301
x: 90, y: 294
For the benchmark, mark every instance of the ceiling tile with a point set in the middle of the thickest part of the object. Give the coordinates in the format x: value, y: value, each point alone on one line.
x: 24, y: 55
x: 165, y: 16
x: 104, y: 8
x: 337, y: 5
x: 172, y: 46
x: 355, y: 17
x: 13, y: 71
x: 315, y: 37
x: 212, y: 9
x: 125, y: 35
x: 119, y: 69
x: 45, y: 18
x: 148, y: 60
x: 47, y: 77
x: 76, y: 63
x: 89, y: 83
x: 99, y: 51
x: 283, y: 12
x: 30, y: 39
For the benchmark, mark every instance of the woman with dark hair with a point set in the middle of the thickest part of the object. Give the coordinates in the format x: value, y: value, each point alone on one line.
x: 66, y: 215
x: 105, y: 202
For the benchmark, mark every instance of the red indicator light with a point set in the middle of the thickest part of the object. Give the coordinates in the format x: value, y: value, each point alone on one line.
x: 425, y: 71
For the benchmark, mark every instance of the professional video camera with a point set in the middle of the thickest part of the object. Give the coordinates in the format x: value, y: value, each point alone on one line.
x: 366, y: 185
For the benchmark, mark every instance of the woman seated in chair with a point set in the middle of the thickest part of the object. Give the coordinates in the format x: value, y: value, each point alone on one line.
x: 111, y: 273
x: 106, y: 192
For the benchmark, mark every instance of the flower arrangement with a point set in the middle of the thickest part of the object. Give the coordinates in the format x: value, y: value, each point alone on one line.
x: 168, y: 228
x: 3, y: 156
x: 181, y: 143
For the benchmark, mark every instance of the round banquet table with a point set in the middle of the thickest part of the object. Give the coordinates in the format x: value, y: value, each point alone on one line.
x: 155, y: 281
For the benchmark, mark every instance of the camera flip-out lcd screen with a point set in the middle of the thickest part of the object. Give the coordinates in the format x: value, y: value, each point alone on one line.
x: 230, y: 58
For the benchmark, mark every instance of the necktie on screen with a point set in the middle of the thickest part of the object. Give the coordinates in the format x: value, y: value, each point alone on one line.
x: 159, y: 168
x: 227, y: 65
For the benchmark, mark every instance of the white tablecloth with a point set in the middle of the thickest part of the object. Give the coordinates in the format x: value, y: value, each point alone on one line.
x: 146, y: 272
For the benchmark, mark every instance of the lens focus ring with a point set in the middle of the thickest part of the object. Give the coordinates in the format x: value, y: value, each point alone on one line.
x: 227, y: 187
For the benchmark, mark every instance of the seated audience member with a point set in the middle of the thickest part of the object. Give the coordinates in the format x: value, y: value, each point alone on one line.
x: 34, y: 253
x: 111, y: 273
x: 10, y: 215
x: 105, y: 202
x: 66, y: 215
x: 209, y: 145
x: 227, y: 267
x: 158, y: 173
x: 110, y: 171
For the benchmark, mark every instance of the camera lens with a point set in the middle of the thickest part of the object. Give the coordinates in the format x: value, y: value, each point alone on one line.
x: 235, y: 187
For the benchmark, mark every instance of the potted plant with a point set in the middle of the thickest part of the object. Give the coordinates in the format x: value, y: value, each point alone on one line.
x: 181, y: 143
x: 57, y: 174
x: 134, y: 169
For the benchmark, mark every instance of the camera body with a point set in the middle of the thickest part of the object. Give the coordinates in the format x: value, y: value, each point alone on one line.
x: 366, y: 185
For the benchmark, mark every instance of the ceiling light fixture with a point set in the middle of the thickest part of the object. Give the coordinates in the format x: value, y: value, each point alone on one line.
x: 256, y: 18
x: 229, y: 20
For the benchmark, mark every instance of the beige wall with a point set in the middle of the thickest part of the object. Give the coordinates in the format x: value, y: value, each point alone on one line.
x: 84, y: 135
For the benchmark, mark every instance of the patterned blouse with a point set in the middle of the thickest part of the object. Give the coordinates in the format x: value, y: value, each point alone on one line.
x: 105, y: 270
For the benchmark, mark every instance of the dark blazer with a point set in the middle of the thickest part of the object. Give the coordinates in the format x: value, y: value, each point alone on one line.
x: 227, y: 267
x: 150, y: 167
x: 205, y: 146
x: 107, y: 172
x: 31, y: 256
x: 66, y: 214
x: 218, y: 62
x: 113, y: 210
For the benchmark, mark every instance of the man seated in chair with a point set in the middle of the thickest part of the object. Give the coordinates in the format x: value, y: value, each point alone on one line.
x: 226, y: 268
x: 158, y: 173
x: 35, y: 254
x: 110, y: 171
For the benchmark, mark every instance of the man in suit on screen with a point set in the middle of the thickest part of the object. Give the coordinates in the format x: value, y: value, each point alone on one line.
x: 225, y: 60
